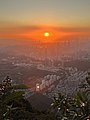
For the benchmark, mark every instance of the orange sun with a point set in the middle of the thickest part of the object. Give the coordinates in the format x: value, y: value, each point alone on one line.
x: 46, y: 34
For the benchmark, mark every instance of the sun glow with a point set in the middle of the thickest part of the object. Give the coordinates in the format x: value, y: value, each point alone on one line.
x: 46, y: 34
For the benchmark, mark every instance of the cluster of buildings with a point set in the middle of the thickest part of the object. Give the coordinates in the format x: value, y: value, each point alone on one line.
x: 46, y: 82
x: 69, y: 85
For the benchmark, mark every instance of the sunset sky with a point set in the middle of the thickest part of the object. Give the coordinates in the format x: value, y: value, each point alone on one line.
x: 32, y: 18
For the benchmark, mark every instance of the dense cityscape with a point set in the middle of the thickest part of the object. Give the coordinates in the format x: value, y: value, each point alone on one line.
x: 48, y: 75
x: 44, y: 60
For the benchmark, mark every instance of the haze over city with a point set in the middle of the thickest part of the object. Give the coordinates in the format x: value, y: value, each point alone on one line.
x: 44, y: 59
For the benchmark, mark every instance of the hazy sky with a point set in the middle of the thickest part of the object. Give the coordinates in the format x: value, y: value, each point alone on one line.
x: 29, y: 19
x: 67, y: 13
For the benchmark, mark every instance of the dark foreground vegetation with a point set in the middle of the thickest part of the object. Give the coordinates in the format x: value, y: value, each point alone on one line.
x: 14, y: 106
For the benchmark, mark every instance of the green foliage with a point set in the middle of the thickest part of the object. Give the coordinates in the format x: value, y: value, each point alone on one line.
x: 74, y: 108
x: 12, y: 101
x: 21, y: 86
x: 14, y: 106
